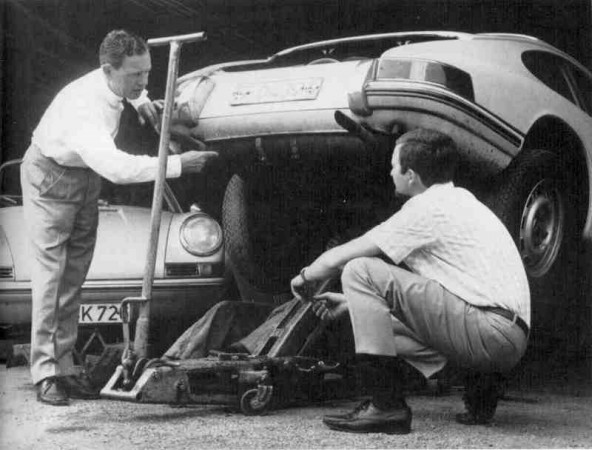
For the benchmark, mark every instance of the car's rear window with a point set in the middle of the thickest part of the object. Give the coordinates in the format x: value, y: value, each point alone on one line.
x: 583, y: 81
x: 549, y: 69
x: 447, y: 76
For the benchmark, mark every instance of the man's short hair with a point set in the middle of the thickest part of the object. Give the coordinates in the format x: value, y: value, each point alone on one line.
x: 430, y: 153
x: 118, y: 44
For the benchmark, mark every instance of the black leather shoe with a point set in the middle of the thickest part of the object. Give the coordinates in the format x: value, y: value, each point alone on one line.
x: 50, y: 391
x: 79, y: 387
x: 482, y: 392
x: 367, y: 418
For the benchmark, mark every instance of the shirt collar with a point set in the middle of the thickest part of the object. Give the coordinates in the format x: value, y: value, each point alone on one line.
x: 435, y: 188
x: 112, y: 98
x: 438, y: 186
x: 428, y: 193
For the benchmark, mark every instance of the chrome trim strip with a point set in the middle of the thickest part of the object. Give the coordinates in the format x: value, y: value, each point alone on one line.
x: 494, y: 122
x: 120, y: 284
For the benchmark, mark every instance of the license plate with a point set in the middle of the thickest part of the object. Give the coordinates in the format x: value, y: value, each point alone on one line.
x: 276, y: 91
x: 99, y: 313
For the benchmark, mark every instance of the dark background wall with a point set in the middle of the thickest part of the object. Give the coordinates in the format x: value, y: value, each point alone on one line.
x: 46, y: 43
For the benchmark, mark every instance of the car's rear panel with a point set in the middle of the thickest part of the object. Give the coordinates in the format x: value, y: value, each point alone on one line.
x: 291, y: 111
x: 277, y: 101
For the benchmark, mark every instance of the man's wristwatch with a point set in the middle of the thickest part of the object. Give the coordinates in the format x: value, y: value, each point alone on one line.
x: 306, y: 280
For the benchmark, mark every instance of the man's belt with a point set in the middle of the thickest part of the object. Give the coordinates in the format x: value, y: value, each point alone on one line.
x: 512, y: 317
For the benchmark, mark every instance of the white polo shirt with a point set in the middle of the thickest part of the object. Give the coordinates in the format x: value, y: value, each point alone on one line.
x: 447, y: 235
x: 79, y: 126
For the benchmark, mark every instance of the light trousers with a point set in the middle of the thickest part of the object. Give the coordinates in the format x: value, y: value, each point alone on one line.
x: 61, y: 214
x: 397, y: 313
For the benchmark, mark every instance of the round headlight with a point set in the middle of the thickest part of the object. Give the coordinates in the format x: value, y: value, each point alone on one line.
x: 201, y: 235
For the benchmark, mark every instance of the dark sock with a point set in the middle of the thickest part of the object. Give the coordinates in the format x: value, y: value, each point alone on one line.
x: 383, y: 380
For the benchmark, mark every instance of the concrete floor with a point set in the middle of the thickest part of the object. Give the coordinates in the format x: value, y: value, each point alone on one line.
x: 538, y: 417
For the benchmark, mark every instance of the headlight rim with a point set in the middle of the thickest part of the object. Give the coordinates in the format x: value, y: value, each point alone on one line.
x: 183, y: 240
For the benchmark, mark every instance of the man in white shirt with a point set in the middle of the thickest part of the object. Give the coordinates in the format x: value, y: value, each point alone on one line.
x: 71, y: 148
x: 464, y: 297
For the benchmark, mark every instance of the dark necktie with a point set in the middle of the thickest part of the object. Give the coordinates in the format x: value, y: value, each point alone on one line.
x: 127, y: 123
x: 129, y: 115
x: 131, y: 136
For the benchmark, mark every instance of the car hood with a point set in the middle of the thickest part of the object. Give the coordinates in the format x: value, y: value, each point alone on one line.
x: 121, y: 249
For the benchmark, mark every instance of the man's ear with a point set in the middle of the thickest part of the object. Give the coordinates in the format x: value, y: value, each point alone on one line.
x: 415, y: 180
x: 107, y: 68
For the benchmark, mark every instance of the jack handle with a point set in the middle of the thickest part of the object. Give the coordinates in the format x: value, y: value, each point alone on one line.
x: 182, y: 39
x: 143, y: 321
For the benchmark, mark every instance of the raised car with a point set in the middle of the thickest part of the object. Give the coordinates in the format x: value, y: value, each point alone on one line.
x: 189, y: 274
x: 308, y: 132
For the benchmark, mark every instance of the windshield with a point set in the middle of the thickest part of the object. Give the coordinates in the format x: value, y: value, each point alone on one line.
x: 137, y: 194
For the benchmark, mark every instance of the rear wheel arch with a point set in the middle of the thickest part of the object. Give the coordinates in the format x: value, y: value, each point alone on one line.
x: 551, y: 133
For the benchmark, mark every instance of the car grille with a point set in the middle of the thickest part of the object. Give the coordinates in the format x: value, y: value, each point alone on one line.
x: 193, y: 270
x: 182, y: 270
x: 6, y: 272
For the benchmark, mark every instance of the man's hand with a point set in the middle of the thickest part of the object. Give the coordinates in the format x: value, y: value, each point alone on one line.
x: 194, y: 161
x: 329, y: 306
x: 299, y: 287
x: 150, y: 112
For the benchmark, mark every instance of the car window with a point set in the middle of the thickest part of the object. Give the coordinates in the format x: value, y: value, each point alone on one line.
x: 10, y: 183
x: 549, y: 69
x: 136, y: 194
x: 583, y: 83
x: 139, y: 194
x: 447, y: 76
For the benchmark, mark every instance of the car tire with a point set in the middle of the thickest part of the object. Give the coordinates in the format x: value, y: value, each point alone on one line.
x: 255, y: 251
x: 531, y: 199
x: 274, y: 224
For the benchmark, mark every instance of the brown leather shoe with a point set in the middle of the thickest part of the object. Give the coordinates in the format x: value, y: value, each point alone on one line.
x: 367, y: 418
x: 79, y: 387
x: 51, y: 391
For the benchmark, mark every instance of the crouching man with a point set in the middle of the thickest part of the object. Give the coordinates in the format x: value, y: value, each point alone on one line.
x: 463, y: 296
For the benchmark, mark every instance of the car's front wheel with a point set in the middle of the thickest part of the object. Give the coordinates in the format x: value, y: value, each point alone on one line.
x: 269, y: 232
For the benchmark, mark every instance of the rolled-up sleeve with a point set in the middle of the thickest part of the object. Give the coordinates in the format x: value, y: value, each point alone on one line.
x: 408, y: 230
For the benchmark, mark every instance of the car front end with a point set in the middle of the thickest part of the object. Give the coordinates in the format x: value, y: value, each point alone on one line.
x: 189, y: 277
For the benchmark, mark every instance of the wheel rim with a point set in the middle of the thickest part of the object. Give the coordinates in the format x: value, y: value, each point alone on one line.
x: 541, y: 228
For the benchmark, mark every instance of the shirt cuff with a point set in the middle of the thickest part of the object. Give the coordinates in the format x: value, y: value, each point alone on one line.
x: 174, y: 166
x: 143, y: 98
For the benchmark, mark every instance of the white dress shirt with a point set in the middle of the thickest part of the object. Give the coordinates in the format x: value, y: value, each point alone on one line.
x: 78, y: 128
x: 447, y: 235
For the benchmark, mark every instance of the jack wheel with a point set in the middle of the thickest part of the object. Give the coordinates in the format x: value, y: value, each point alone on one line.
x: 253, y: 403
